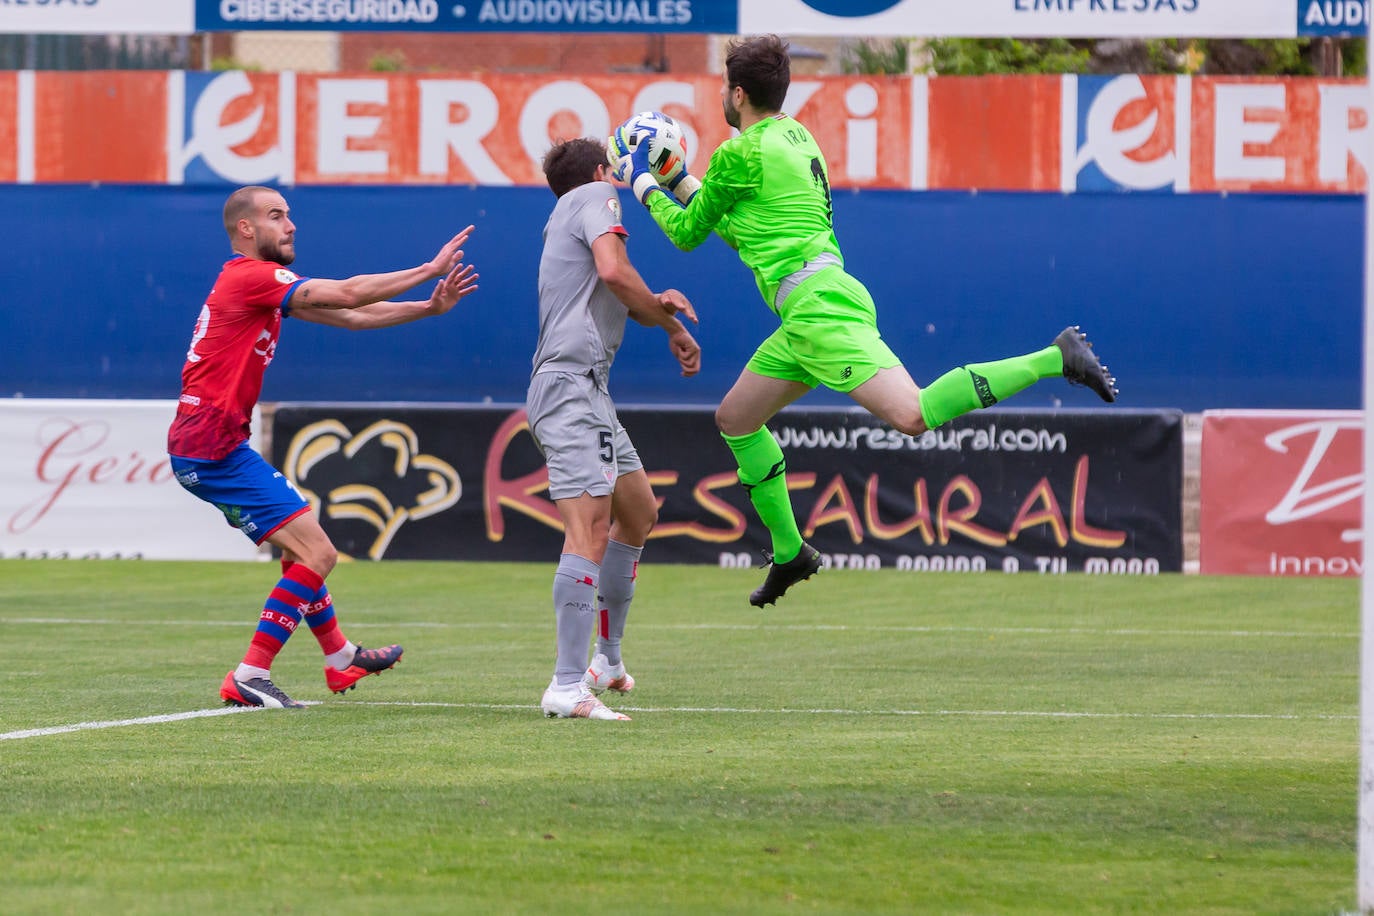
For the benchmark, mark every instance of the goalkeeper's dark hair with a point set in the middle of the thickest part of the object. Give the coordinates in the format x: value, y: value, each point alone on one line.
x: 761, y: 67
x: 572, y: 163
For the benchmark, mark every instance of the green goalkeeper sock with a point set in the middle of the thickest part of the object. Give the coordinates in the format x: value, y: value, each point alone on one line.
x: 977, y: 385
x: 763, y: 472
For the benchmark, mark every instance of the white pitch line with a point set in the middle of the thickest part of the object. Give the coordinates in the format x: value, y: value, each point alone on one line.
x: 119, y: 723
x: 771, y: 627
x: 714, y: 710
x: 948, y: 713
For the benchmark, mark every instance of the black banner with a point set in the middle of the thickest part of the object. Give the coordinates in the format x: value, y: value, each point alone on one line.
x: 1012, y: 491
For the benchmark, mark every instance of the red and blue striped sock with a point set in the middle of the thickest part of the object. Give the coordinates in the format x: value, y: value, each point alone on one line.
x: 281, y: 614
x: 323, y: 623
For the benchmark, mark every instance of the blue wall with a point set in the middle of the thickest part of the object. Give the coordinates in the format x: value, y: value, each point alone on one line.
x: 1194, y: 301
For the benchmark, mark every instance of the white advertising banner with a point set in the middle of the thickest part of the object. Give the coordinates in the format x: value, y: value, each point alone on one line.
x: 91, y: 479
x: 1024, y: 18
x: 95, y: 17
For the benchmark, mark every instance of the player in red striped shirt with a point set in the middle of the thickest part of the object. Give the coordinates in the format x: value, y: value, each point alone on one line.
x: 234, y: 341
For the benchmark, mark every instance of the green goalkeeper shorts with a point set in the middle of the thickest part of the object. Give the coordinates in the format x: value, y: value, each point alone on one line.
x: 829, y: 336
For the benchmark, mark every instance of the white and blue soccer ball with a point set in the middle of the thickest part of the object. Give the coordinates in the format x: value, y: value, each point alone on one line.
x: 667, y: 145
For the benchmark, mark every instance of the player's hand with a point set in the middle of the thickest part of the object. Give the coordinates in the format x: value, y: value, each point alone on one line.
x: 641, y: 177
x: 676, y: 304
x: 458, y: 283
x: 683, y: 186
x: 450, y: 255
x: 686, y: 350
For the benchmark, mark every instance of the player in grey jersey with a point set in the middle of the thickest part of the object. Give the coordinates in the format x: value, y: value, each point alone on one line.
x: 587, y: 288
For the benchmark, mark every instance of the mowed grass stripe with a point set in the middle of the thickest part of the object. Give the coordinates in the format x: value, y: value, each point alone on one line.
x: 708, y: 710
x: 688, y: 627
x: 877, y: 743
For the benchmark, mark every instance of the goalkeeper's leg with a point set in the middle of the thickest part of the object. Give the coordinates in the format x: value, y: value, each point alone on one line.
x: 892, y: 396
x: 752, y: 401
x: 832, y: 331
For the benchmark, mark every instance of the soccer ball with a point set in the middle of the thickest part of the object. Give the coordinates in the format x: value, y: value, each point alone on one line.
x: 667, y: 146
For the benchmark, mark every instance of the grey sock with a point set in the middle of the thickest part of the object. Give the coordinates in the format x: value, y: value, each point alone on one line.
x: 574, y: 610
x: 618, y: 570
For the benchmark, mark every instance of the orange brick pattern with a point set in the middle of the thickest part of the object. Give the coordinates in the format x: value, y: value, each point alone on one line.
x: 552, y: 53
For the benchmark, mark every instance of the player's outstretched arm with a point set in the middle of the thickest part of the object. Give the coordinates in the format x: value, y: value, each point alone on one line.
x: 459, y: 283
x: 365, y: 289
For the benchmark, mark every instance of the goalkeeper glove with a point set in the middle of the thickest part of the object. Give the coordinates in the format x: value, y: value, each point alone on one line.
x: 679, y: 182
x: 634, y: 171
x: 683, y: 186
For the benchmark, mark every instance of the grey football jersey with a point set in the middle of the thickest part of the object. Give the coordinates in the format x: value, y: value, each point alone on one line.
x: 581, y: 322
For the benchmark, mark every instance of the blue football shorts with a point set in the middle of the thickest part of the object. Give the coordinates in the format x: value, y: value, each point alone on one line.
x: 255, y: 497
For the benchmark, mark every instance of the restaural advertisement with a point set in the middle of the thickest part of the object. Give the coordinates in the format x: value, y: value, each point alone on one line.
x: 1005, y: 491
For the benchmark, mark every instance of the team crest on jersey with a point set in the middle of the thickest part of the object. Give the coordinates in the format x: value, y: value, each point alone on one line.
x: 285, y: 276
x: 613, y: 204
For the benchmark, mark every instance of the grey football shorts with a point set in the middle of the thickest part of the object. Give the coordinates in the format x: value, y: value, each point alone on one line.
x: 573, y: 422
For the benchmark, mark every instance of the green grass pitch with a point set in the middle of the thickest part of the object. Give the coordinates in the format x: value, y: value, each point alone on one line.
x: 876, y: 743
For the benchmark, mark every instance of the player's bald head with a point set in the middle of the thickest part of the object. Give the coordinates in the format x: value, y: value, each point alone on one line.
x: 241, y: 205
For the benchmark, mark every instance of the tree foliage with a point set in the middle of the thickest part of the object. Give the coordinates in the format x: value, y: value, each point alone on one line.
x: 892, y: 56
x: 979, y: 56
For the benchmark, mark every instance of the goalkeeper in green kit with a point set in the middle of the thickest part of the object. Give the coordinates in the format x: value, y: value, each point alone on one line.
x: 766, y: 192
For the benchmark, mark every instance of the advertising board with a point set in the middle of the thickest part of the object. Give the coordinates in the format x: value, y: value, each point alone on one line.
x: 1006, y: 491
x: 1083, y: 134
x: 96, y: 17
x: 1025, y: 18
x: 86, y: 479
x: 1281, y: 493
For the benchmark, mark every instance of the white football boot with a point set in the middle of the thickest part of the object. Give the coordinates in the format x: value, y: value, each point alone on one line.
x: 602, y: 676
x: 575, y: 701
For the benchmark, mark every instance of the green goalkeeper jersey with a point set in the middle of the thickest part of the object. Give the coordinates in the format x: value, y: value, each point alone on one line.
x: 766, y: 192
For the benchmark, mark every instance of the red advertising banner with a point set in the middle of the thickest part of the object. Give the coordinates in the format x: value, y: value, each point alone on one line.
x: 1281, y: 493
x: 1019, y: 133
x: 9, y: 127
x: 994, y: 132
x: 1254, y: 134
x: 100, y: 126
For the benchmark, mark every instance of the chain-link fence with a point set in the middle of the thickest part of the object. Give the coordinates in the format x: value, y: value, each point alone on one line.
x: 273, y: 51
x: 98, y: 52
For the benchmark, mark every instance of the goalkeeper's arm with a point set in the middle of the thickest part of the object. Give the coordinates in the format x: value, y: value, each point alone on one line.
x: 685, y: 226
